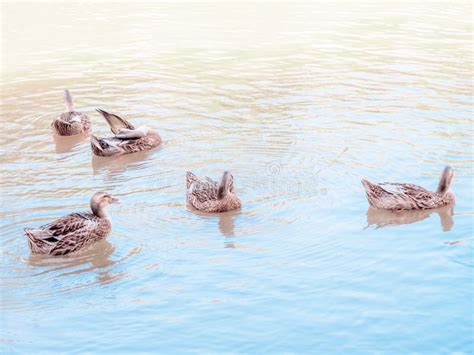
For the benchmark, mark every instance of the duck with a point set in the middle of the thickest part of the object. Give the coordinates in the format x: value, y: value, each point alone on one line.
x: 71, y: 122
x: 74, y: 232
x: 400, y: 196
x: 127, y: 138
x: 206, y: 195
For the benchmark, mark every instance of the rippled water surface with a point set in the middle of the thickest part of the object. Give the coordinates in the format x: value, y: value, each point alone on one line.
x: 299, y: 102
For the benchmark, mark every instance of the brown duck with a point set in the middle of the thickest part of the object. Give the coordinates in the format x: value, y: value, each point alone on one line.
x: 206, y: 195
x: 394, y: 196
x: 71, y: 122
x: 75, y: 231
x: 126, y: 139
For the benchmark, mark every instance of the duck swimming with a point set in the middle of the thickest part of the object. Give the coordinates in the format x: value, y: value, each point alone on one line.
x: 394, y: 196
x: 75, y: 231
x: 206, y: 195
x: 71, y: 122
x: 127, y: 139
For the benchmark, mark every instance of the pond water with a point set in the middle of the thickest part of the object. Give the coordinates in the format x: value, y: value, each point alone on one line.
x: 299, y: 102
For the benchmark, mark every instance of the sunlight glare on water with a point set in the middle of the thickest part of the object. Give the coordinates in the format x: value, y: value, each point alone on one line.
x: 299, y: 102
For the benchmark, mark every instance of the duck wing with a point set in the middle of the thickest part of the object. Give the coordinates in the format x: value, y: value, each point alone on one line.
x: 410, y: 190
x: 126, y: 134
x: 47, y: 237
x: 71, y: 223
x: 116, y: 122
x: 71, y: 245
x: 71, y: 232
x: 411, y: 196
x: 395, y: 196
x: 201, y: 189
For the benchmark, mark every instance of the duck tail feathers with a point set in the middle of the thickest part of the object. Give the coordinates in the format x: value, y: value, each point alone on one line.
x: 190, y: 178
x: 367, y: 184
x: 33, y: 242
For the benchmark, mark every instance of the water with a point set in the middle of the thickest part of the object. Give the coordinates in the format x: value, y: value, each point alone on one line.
x: 298, y: 102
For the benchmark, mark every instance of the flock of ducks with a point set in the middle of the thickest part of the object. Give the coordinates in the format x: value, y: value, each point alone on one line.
x: 77, y: 231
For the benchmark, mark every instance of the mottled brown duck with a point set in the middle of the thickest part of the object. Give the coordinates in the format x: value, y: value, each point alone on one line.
x: 71, y: 122
x: 127, y: 139
x: 395, y: 196
x: 75, y: 231
x: 206, y: 195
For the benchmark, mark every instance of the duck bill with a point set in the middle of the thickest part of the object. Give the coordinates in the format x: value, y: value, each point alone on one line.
x: 115, y: 200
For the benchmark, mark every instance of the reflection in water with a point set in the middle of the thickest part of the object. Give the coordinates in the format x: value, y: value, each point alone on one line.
x: 96, y: 258
x: 226, y: 220
x: 117, y: 165
x: 66, y: 144
x: 97, y: 255
x: 226, y: 223
x: 385, y: 218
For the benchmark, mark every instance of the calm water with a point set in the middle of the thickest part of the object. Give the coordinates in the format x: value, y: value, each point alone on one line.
x: 299, y: 102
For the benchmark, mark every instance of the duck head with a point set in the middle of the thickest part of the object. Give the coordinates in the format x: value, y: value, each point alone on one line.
x: 99, y: 201
x: 226, y: 185
x: 445, y: 180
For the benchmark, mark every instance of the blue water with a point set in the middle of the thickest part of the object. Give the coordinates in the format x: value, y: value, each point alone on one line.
x: 299, y: 102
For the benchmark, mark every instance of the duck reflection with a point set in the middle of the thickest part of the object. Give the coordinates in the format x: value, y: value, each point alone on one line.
x: 226, y: 223
x: 226, y: 220
x: 64, y: 144
x: 97, y: 257
x: 385, y: 218
x: 117, y: 165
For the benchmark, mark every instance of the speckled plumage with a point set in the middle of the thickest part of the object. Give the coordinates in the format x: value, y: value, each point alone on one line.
x: 206, y: 195
x: 73, y: 232
x: 127, y: 139
x: 71, y: 122
x: 396, y: 196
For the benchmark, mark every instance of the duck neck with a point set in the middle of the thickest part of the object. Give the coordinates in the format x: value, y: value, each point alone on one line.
x: 100, y: 211
x: 444, y: 184
x: 221, y: 193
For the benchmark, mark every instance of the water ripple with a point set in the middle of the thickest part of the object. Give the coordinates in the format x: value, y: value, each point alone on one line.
x: 299, y: 102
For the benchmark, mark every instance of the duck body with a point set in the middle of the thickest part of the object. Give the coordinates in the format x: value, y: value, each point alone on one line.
x: 399, y: 196
x: 71, y: 122
x: 113, y: 146
x: 73, y: 232
x: 127, y: 139
x: 68, y: 234
x: 207, y: 195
